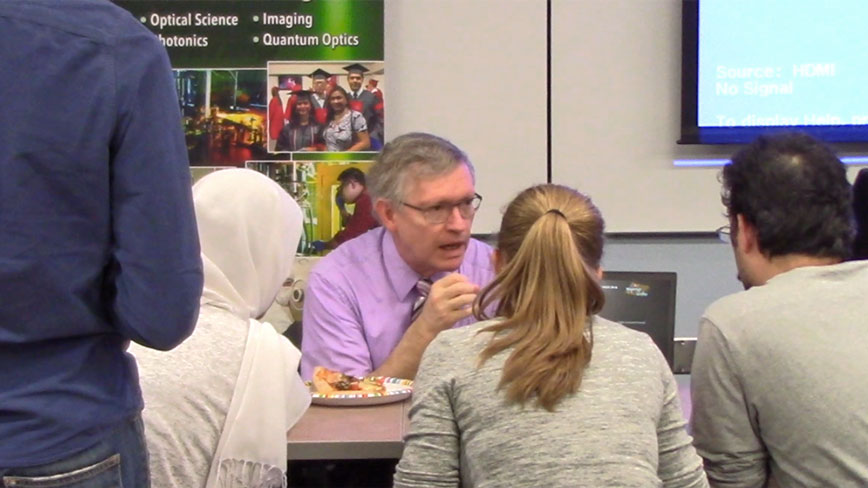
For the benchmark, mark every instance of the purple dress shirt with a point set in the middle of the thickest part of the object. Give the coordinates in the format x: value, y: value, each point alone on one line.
x: 359, y: 299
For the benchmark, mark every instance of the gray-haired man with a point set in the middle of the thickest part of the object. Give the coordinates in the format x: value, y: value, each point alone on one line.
x: 366, y: 310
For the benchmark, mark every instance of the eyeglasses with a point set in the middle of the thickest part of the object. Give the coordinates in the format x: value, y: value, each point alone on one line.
x: 439, y: 213
x: 723, y: 234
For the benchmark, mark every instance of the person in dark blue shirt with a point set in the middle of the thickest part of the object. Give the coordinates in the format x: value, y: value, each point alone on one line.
x: 98, y: 242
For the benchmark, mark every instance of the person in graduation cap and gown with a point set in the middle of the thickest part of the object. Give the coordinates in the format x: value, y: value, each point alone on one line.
x: 366, y: 103
x: 319, y: 95
x: 302, y: 133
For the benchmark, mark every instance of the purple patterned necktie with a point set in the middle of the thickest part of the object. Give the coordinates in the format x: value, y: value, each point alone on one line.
x: 423, y: 287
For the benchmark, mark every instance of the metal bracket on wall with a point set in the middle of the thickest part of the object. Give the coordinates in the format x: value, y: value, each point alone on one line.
x: 683, y: 354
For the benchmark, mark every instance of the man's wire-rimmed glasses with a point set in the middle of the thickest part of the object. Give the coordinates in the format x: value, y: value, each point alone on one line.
x: 439, y: 213
x: 723, y: 233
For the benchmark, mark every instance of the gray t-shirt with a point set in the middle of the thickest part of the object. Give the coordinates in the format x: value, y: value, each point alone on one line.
x: 779, y: 381
x: 623, y: 428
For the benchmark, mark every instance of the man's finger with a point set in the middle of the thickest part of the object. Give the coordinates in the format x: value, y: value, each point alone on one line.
x: 451, y: 279
x: 461, y: 301
x: 458, y: 289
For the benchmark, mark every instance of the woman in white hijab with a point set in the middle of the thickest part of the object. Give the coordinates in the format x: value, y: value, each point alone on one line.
x: 217, y: 408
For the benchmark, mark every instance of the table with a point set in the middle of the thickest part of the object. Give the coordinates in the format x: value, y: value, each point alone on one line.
x: 370, y: 432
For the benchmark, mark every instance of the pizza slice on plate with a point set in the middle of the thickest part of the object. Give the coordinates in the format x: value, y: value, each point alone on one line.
x: 329, y: 382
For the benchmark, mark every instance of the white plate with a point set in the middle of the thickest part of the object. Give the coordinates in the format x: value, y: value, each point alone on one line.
x: 397, y: 389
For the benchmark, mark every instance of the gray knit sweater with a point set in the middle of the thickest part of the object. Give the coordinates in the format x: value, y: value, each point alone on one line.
x: 623, y: 428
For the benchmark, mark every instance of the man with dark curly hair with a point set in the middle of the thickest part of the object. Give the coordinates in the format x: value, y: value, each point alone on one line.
x: 778, y: 378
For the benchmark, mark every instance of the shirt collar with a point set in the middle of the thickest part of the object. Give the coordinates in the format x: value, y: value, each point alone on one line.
x: 402, y: 278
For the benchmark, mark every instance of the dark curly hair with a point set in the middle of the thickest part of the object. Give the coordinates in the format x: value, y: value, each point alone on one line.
x: 794, y: 190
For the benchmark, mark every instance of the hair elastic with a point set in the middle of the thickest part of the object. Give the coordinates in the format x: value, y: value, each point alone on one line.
x: 556, y: 211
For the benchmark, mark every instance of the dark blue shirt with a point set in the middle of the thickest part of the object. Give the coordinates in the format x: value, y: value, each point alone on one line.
x: 98, y: 242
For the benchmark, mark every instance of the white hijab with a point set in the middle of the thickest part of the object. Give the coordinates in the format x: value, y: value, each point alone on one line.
x: 249, y: 229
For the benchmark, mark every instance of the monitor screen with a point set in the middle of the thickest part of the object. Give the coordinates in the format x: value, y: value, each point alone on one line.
x: 644, y: 301
x: 751, y: 67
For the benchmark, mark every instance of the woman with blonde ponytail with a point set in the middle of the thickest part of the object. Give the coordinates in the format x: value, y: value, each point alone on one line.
x: 546, y: 393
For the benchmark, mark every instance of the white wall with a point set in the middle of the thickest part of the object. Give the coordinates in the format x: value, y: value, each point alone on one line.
x: 616, y: 88
x: 473, y: 72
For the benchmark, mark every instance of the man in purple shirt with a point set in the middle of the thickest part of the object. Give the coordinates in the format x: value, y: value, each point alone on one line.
x: 361, y: 297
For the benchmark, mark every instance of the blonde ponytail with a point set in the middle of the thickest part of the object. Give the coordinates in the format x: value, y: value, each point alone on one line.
x: 547, y: 290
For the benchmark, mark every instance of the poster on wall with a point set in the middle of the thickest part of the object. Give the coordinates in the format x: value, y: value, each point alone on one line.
x: 294, y: 89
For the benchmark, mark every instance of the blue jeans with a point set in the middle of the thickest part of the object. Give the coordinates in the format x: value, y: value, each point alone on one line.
x: 119, y: 461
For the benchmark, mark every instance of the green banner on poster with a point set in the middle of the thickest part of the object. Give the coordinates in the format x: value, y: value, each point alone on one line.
x: 243, y: 34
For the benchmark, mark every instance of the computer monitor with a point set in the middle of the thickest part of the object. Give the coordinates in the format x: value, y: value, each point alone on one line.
x: 644, y: 301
